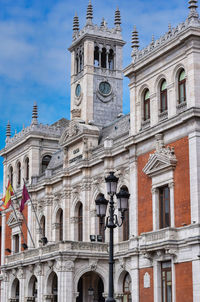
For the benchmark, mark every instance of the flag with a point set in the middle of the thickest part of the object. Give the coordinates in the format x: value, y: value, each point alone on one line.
x: 7, y: 198
x: 25, y: 197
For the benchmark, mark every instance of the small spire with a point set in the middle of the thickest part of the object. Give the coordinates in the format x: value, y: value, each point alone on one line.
x: 89, y: 16
x: 76, y: 23
x: 153, y: 39
x: 169, y: 28
x: 34, y: 114
x: 135, y: 39
x: 103, y: 22
x: 193, y: 5
x: 8, y: 130
x: 117, y: 18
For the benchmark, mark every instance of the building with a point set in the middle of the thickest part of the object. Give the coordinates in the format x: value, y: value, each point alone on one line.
x: 154, y: 153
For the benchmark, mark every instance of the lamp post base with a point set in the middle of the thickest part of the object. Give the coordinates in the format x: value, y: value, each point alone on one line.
x: 110, y: 300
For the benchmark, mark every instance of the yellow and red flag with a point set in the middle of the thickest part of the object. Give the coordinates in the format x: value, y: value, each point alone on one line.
x: 7, y: 198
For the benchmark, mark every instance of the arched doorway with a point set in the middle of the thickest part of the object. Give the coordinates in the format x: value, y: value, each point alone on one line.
x: 90, y: 288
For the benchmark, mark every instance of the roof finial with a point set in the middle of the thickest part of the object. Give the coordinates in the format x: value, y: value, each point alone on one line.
x: 103, y: 22
x: 35, y: 114
x: 76, y: 23
x: 135, y: 41
x: 8, y: 131
x: 89, y: 16
x: 169, y: 28
x: 193, y: 4
x: 117, y: 18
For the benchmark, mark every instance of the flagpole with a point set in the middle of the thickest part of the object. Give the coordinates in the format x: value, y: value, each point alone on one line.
x: 43, y: 238
x: 24, y: 220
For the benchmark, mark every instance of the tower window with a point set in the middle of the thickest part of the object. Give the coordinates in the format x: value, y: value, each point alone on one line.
x: 111, y: 60
x: 182, y: 86
x: 45, y: 161
x: 27, y: 168
x: 147, y: 105
x: 96, y: 56
x: 163, y: 96
x: 11, y: 175
x: 103, y: 58
x: 164, y: 196
x: 77, y: 65
x: 81, y: 62
x: 19, y: 173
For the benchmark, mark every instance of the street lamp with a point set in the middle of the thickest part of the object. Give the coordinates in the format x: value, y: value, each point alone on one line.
x: 112, y: 220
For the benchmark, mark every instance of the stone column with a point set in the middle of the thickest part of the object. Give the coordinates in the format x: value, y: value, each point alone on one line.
x: 157, y: 281
x: 133, y: 201
x: 135, y: 291
x: 173, y: 280
x: 65, y: 272
x: 155, y: 208
x: 22, y: 284
x: 4, y: 287
x: 172, y: 213
x: 3, y: 232
x: 194, y: 151
x: 40, y: 278
x: 196, y: 280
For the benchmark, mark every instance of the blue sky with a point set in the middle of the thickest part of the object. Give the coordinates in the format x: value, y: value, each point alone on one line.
x: 35, y: 63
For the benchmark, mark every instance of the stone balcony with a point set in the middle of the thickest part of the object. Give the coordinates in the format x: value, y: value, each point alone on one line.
x: 51, y: 251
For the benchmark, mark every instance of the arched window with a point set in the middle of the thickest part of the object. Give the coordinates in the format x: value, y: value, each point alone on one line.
x: 111, y: 59
x: 42, y: 225
x: 146, y: 105
x: 60, y: 224
x: 96, y: 56
x: 77, y: 64
x: 126, y: 220
x: 127, y: 289
x: 45, y: 161
x: 103, y: 58
x: 182, y: 86
x: 80, y: 222
x: 11, y: 175
x: 54, y: 288
x: 163, y: 96
x: 19, y: 174
x: 15, y: 290
x: 81, y: 62
x: 33, y: 288
x: 27, y: 168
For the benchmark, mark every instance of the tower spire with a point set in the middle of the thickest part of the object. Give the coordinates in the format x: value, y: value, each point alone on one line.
x: 117, y: 18
x: 75, y: 23
x: 89, y: 16
x: 135, y: 41
x: 34, y: 114
x: 193, y: 5
x: 8, y: 131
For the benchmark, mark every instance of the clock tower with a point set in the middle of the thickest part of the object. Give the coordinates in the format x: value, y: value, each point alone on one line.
x: 96, y: 70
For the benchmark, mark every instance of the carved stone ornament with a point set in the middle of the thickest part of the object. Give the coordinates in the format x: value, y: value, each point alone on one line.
x: 39, y: 270
x: 163, y: 159
x: 72, y: 130
x: 93, y: 264
x: 21, y: 273
x: 122, y: 263
x: 65, y: 266
x: 147, y: 280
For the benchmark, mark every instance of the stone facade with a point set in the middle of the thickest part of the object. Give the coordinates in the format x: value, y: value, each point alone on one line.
x: 154, y: 153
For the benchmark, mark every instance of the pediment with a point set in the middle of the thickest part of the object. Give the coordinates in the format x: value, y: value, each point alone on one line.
x: 160, y: 161
x: 70, y: 131
x: 12, y: 221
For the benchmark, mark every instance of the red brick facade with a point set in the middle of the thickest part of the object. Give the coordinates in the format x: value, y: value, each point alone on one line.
x: 146, y: 294
x: 184, y: 291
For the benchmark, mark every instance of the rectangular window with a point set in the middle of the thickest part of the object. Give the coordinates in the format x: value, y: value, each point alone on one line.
x: 164, y: 196
x: 166, y: 279
x: 16, y: 243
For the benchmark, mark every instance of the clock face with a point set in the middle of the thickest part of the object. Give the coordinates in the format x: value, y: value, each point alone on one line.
x: 104, y: 88
x: 78, y: 90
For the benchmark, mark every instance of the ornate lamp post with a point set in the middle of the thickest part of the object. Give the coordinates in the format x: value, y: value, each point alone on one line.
x: 112, y: 220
